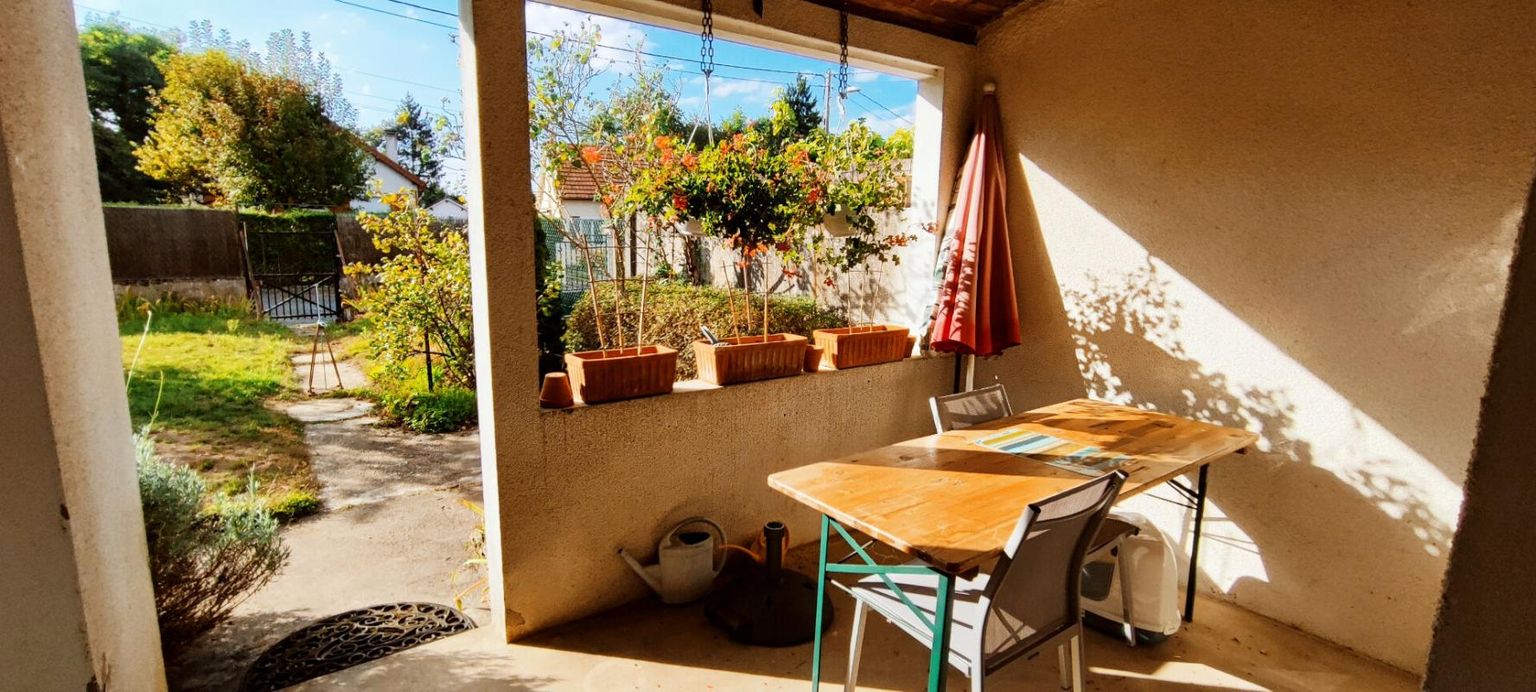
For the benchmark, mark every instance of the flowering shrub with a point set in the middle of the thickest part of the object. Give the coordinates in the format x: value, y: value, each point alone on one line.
x: 419, y: 290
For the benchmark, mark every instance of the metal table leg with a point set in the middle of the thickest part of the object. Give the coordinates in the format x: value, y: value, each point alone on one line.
x: 939, y: 625
x: 1194, y: 548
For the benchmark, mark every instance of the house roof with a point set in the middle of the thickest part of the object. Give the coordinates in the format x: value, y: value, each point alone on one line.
x: 393, y: 165
x: 578, y: 183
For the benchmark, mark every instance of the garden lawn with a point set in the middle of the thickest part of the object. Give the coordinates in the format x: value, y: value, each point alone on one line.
x: 218, y: 372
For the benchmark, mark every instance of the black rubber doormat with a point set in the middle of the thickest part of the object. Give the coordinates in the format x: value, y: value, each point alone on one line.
x: 345, y: 640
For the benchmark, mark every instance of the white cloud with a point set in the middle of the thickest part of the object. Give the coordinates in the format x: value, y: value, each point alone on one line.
x: 865, y: 77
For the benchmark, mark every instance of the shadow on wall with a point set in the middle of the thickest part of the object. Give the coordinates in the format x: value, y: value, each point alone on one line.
x: 1269, y: 497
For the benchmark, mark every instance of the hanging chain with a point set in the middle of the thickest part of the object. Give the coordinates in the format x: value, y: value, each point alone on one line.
x: 707, y: 39
x: 842, y: 47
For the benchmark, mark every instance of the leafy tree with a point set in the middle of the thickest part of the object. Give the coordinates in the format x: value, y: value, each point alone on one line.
x: 121, y: 73
x: 803, y: 114
x: 419, y: 290
x: 420, y: 152
x: 225, y: 131
x: 288, y: 55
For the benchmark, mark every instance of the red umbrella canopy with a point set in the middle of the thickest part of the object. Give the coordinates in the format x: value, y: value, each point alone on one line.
x: 977, y: 311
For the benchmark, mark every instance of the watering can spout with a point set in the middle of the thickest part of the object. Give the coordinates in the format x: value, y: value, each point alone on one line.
x: 647, y: 574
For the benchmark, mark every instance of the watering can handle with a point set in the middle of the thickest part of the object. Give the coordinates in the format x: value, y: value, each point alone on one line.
x: 720, y: 560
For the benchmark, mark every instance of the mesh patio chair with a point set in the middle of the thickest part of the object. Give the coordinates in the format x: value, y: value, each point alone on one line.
x: 967, y: 409
x: 1028, y: 601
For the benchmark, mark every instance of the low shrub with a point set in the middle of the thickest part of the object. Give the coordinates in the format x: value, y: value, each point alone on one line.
x: 293, y: 504
x: 203, y: 561
x: 674, y: 312
x: 444, y: 410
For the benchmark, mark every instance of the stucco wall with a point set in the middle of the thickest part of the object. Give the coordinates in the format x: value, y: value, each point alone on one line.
x: 74, y: 580
x: 1487, y: 608
x: 1290, y: 217
x: 571, y: 487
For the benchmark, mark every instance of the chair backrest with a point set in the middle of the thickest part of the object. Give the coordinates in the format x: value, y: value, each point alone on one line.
x: 1032, y: 594
x: 963, y: 410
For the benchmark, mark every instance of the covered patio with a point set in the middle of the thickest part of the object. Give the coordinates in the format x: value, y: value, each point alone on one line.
x: 1306, y: 221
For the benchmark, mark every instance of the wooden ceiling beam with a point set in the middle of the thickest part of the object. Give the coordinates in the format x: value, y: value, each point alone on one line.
x: 927, y: 16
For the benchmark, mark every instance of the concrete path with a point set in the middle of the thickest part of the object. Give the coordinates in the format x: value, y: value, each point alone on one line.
x: 394, y: 528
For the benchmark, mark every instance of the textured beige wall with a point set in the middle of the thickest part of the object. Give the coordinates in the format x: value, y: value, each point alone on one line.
x: 1290, y: 217
x: 1487, y: 609
x: 74, y: 584
x: 568, y: 488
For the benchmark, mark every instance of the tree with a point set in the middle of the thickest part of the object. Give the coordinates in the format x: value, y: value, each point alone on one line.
x: 288, y: 55
x: 421, y: 290
x: 419, y: 152
x: 802, y: 107
x: 225, y: 131
x: 121, y: 73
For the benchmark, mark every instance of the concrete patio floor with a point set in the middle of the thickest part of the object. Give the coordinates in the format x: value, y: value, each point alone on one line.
x: 647, y: 646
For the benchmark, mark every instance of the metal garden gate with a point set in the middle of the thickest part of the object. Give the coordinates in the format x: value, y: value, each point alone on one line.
x: 296, y: 274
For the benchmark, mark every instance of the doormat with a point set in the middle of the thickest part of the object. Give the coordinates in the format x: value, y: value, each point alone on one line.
x: 347, y: 639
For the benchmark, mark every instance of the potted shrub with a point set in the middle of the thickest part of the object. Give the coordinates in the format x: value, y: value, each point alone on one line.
x: 759, y: 200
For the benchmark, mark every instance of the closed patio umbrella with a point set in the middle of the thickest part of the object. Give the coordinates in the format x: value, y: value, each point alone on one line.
x: 976, y: 312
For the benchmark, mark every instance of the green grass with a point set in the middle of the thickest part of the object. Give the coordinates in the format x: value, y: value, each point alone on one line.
x: 209, y: 374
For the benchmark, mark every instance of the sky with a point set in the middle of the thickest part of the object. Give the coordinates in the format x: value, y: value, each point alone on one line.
x: 383, y: 49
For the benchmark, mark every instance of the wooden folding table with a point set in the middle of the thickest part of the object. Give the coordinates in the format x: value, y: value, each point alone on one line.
x: 952, y: 503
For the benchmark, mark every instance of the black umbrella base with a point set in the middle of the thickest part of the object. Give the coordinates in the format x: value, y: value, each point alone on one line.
x: 763, y: 611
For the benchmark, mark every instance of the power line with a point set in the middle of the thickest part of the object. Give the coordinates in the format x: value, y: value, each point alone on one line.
x: 397, y: 14
x: 423, y: 8
x: 454, y: 92
x: 883, y: 107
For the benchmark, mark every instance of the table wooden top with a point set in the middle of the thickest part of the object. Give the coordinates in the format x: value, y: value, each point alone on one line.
x: 953, y: 503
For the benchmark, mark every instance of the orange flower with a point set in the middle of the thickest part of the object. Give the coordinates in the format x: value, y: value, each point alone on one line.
x: 690, y: 161
x: 663, y: 142
x: 814, y: 195
x: 680, y: 201
x: 828, y: 282
x: 591, y: 155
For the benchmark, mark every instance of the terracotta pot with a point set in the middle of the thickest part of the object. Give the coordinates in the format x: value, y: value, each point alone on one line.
x: 812, y: 358
x: 621, y: 373
x: 852, y: 347
x: 911, y: 346
x: 556, y: 392
x: 748, y: 358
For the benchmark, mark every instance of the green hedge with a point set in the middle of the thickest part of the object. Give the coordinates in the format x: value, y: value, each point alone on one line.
x: 674, y: 312
x: 295, y: 220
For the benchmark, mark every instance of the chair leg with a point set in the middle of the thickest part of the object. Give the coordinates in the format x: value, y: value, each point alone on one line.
x: 1064, y: 666
x: 1079, y: 668
x: 855, y: 645
x: 1123, y: 565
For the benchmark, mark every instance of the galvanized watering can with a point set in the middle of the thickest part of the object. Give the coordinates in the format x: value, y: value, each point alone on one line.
x: 686, y: 564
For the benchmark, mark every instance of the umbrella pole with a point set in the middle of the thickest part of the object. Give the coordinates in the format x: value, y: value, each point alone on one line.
x: 965, y: 373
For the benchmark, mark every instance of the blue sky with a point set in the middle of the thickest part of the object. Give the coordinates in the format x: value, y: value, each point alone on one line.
x: 380, y: 57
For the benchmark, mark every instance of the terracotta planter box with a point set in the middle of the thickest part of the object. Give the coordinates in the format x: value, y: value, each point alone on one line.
x: 748, y: 358
x: 621, y: 373
x: 851, y: 347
